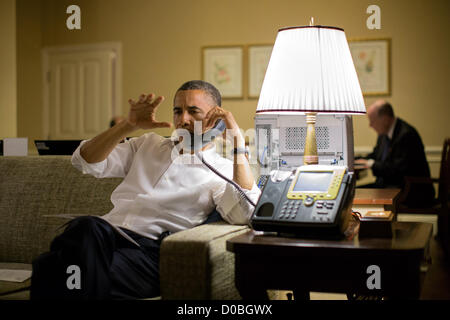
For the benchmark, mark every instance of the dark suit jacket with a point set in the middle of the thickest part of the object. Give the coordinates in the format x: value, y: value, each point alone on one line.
x: 406, y: 157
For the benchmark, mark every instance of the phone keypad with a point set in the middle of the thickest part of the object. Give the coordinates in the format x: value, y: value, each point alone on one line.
x: 290, y: 209
x: 323, y: 210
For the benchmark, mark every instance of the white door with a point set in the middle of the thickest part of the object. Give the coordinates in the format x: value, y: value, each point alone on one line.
x: 81, y: 87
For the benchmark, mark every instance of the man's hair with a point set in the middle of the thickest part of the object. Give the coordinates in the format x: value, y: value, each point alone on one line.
x: 207, y: 87
x: 386, y: 110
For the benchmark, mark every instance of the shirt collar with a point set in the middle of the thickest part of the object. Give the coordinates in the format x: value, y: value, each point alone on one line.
x: 209, y: 154
x: 391, y: 129
x: 210, y: 149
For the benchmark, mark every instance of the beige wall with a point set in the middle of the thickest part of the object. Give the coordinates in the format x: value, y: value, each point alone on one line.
x: 29, y: 84
x: 162, y: 42
x: 8, y: 102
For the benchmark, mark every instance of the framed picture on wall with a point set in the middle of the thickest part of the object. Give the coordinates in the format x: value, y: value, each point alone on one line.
x: 258, y: 60
x: 372, y: 63
x: 222, y: 66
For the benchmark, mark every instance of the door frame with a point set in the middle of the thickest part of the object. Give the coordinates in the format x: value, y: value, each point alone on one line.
x: 116, y: 47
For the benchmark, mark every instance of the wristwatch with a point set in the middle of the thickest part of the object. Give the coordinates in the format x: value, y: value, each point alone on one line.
x: 240, y: 151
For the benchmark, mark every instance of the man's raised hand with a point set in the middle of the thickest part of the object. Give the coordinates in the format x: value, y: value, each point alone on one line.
x: 142, y: 113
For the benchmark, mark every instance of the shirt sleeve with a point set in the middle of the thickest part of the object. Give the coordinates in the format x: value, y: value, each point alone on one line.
x: 116, y: 164
x: 232, y: 206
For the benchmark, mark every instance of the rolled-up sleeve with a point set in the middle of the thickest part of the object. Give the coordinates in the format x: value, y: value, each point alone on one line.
x: 116, y: 164
x: 233, y: 207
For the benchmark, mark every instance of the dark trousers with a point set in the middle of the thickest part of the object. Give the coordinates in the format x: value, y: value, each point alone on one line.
x: 91, y: 260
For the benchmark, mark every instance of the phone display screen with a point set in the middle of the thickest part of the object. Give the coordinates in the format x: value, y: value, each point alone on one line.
x: 313, y: 181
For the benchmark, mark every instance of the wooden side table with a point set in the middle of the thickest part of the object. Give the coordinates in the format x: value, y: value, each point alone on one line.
x: 270, y: 262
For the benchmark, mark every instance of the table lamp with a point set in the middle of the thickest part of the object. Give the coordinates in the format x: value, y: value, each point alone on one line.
x: 311, y: 71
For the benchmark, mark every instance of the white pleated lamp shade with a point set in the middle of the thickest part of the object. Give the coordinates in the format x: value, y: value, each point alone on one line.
x: 311, y: 70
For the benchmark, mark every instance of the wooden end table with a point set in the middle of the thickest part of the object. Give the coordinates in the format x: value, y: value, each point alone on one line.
x: 270, y: 262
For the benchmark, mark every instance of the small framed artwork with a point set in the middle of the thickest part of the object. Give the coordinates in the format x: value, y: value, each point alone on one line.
x: 372, y: 63
x: 258, y: 60
x: 222, y: 66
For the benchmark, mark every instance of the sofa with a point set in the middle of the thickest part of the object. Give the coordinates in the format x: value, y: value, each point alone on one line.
x: 39, y: 194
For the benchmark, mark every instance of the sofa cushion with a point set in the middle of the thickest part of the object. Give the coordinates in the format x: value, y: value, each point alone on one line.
x: 37, y: 195
x: 14, y: 290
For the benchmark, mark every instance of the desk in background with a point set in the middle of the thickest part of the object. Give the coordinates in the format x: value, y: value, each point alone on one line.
x: 375, y: 199
x: 386, y: 199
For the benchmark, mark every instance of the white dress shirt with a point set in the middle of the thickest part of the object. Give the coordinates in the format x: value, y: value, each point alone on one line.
x: 390, y: 133
x: 391, y: 129
x: 164, y: 191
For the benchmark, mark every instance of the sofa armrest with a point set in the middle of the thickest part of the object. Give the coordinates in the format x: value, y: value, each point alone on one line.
x: 194, y: 263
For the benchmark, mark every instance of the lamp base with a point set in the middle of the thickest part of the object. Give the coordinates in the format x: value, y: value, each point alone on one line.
x: 311, y: 160
x: 310, y: 154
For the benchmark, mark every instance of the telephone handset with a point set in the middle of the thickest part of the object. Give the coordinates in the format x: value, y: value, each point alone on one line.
x: 207, y: 136
x: 202, y: 140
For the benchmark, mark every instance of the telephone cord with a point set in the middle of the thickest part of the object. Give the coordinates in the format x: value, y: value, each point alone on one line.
x: 239, y: 189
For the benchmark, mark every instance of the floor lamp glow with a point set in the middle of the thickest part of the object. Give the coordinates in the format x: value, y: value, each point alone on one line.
x: 311, y: 71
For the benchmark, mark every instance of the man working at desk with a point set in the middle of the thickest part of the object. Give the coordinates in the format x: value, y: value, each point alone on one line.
x: 399, y: 152
x: 162, y: 190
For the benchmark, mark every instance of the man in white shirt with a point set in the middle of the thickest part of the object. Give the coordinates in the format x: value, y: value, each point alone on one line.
x: 166, y: 188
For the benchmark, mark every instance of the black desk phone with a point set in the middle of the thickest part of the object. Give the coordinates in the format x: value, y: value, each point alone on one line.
x: 313, y: 201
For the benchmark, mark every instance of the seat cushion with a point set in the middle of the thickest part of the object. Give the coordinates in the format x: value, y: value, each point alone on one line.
x: 15, y: 290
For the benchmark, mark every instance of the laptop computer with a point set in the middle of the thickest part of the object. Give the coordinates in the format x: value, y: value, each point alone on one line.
x: 56, y: 147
